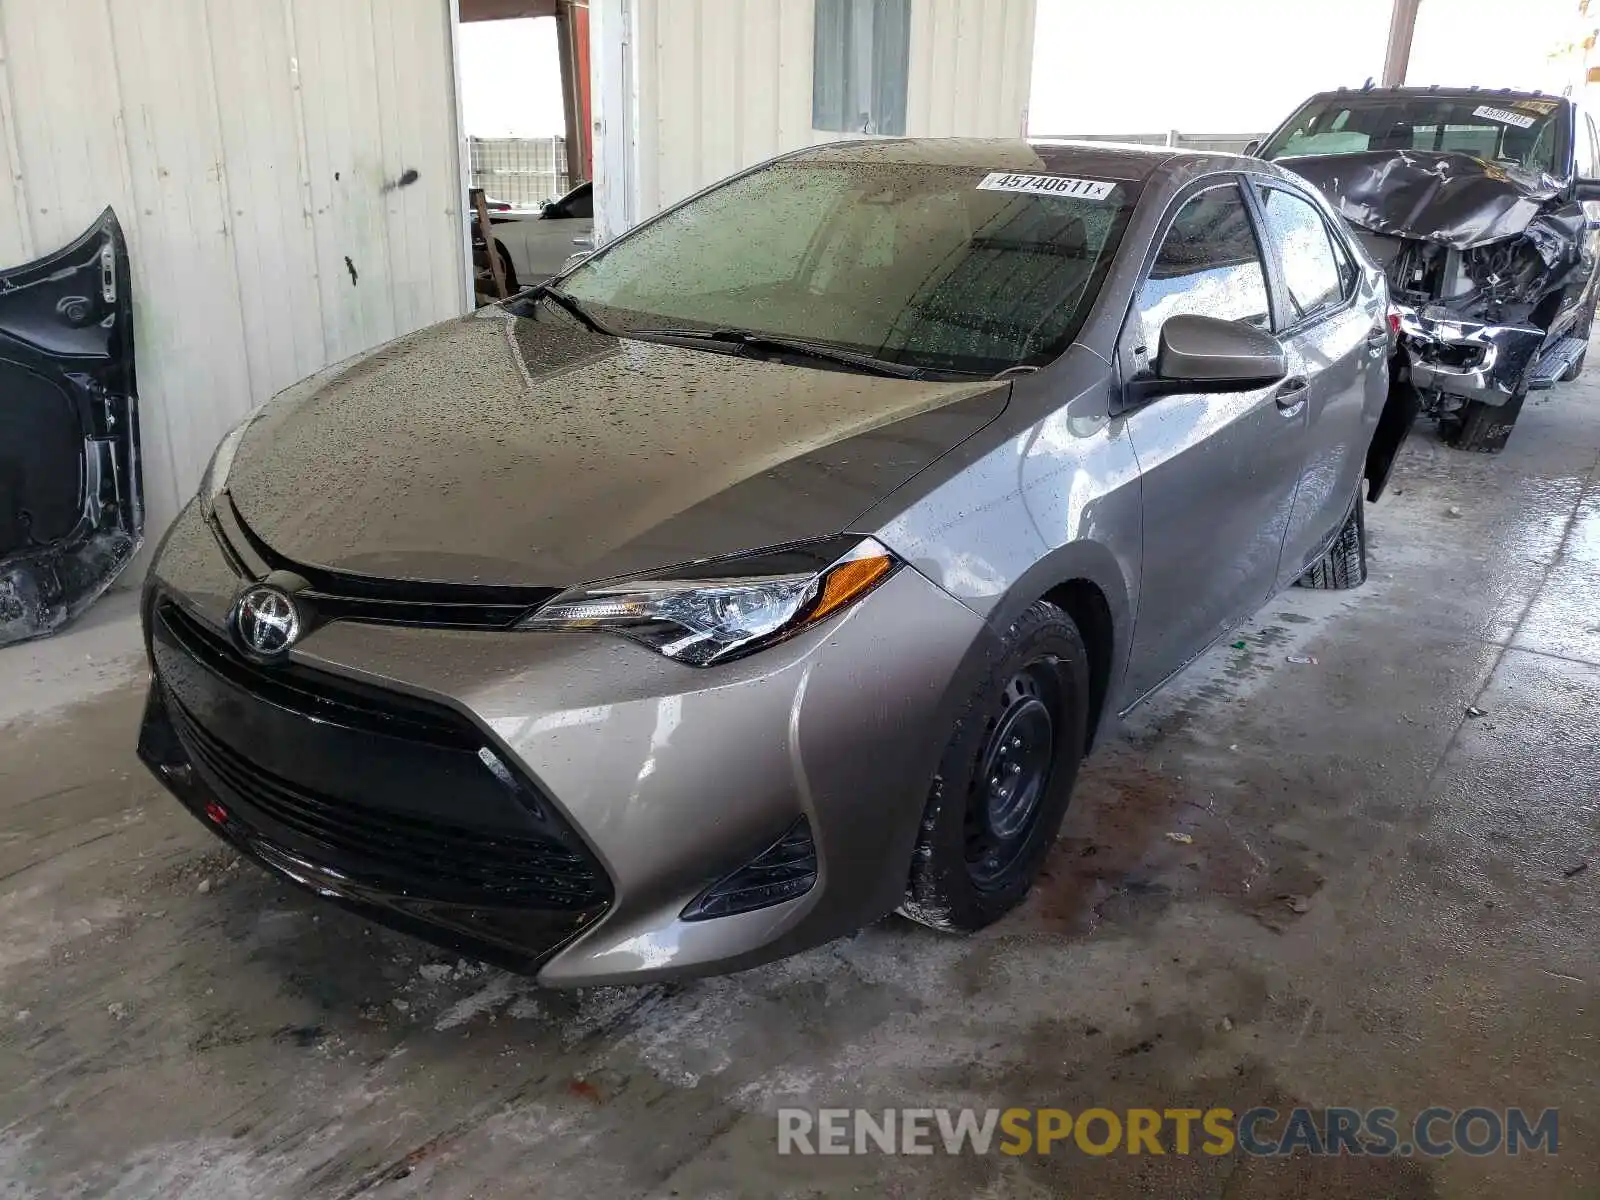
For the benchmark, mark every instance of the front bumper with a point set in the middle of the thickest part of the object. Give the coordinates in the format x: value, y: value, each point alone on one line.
x: 662, y: 777
x: 1466, y: 358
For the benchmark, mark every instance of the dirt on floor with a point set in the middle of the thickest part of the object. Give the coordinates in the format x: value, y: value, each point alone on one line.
x: 1306, y: 875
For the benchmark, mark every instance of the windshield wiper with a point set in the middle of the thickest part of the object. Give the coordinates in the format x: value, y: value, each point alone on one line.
x: 573, y: 307
x: 752, y: 340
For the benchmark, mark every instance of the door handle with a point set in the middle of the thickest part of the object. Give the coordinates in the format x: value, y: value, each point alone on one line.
x: 1291, y: 394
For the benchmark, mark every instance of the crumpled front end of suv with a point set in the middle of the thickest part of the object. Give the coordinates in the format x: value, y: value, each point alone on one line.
x: 1481, y: 260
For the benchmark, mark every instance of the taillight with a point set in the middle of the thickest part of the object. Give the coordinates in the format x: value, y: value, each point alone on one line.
x: 1394, y: 323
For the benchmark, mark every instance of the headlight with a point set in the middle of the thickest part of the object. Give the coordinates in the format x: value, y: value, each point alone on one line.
x: 216, y: 476
x: 727, y: 608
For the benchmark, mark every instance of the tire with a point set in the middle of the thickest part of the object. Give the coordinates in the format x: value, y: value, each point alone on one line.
x: 506, y: 269
x: 1344, y: 564
x: 979, y: 846
x: 1485, y: 428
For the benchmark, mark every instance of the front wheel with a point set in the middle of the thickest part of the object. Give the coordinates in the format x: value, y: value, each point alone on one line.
x: 1006, y: 776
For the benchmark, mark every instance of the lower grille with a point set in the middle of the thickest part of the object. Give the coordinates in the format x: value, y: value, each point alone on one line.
x: 403, y: 795
x: 424, y: 858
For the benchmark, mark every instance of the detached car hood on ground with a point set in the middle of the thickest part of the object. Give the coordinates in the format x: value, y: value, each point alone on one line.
x: 1453, y: 199
x: 511, y: 451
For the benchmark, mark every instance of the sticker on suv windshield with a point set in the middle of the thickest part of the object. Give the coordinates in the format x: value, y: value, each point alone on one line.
x: 1047, y: 185
x: 1505, y: 116
x: 1543, y: 107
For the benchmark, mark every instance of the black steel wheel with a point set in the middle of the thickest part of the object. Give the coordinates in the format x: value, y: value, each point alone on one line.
x: 1005, y: 778
x: 1013, y: 773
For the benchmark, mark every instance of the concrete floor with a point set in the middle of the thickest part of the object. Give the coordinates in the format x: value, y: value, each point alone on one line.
x: 1378, y: 906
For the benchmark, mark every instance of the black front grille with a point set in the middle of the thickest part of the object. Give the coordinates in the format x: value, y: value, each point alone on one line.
x: 341, y: 596
x: 314, y: 694
x: 400, y: 793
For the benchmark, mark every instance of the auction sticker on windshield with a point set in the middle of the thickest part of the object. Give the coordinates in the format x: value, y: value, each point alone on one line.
x: 1505, y: 116
x: 1047, y: 185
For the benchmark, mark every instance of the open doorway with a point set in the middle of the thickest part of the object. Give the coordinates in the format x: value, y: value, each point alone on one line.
x: 524, y: 102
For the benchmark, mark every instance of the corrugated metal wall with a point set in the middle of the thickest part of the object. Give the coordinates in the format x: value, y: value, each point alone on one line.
x: 722, y: 84
x: 250, y: 148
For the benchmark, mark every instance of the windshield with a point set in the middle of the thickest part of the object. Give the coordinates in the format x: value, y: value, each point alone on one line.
x: 1496, y: 128
x: 932, y: 266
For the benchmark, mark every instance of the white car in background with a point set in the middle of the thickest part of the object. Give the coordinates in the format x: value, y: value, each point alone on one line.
x: 535, y: 243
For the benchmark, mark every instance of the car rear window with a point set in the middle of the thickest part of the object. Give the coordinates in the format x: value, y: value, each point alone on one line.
x: 949, y: 268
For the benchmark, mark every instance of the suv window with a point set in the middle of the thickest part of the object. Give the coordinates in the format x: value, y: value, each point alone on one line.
x: 1209, y: 265
x: 1303, y: 244
x: 1586, y: 154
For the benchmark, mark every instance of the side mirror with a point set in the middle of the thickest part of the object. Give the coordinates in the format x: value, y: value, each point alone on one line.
x: 1251, y: 147
x: 1206, y: 354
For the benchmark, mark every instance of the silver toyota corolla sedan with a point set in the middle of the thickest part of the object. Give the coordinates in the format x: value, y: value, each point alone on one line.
x: 775, y: 567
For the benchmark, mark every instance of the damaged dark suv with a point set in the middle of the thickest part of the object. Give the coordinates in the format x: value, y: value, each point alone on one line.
x: 1473, y: 203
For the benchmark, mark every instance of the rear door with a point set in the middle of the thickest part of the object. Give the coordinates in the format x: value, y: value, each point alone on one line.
x: 1219, y: 469
x: 1337, y: 341
x: 71, y: 504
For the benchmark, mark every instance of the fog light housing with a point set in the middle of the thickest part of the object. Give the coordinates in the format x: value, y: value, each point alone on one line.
x: 783, y: 871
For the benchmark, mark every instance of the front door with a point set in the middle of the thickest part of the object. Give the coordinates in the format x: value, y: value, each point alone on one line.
x: 71, y: 504
x: 1219, y: 469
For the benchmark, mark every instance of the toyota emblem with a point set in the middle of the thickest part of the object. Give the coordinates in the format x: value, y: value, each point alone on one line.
x: 266, y: 621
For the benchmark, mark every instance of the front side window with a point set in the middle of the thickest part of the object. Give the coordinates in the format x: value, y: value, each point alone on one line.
x: 1497, y: 128
x: 861, y: 55
x: 1209, y: 265
x: 910, y: 262
x: 1586, y: 149
x: 1298, y: 233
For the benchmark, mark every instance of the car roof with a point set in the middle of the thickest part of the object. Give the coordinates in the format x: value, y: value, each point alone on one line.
x: 1102, y: 160
x: 1435, y: 90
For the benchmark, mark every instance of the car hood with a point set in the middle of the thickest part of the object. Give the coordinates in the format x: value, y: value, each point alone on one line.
x: 1454, y: 199
x: 507, y: 450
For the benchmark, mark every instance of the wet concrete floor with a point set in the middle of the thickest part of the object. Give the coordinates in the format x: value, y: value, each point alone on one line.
x: 1373, y: 898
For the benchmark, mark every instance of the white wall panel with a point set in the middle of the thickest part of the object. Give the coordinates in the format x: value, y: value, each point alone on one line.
x: 250, y: 148
x: 722, y: 84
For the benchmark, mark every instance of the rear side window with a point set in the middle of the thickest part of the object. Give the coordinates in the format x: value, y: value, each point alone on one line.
x: 1209, y: 265
x: 1304, y: 247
